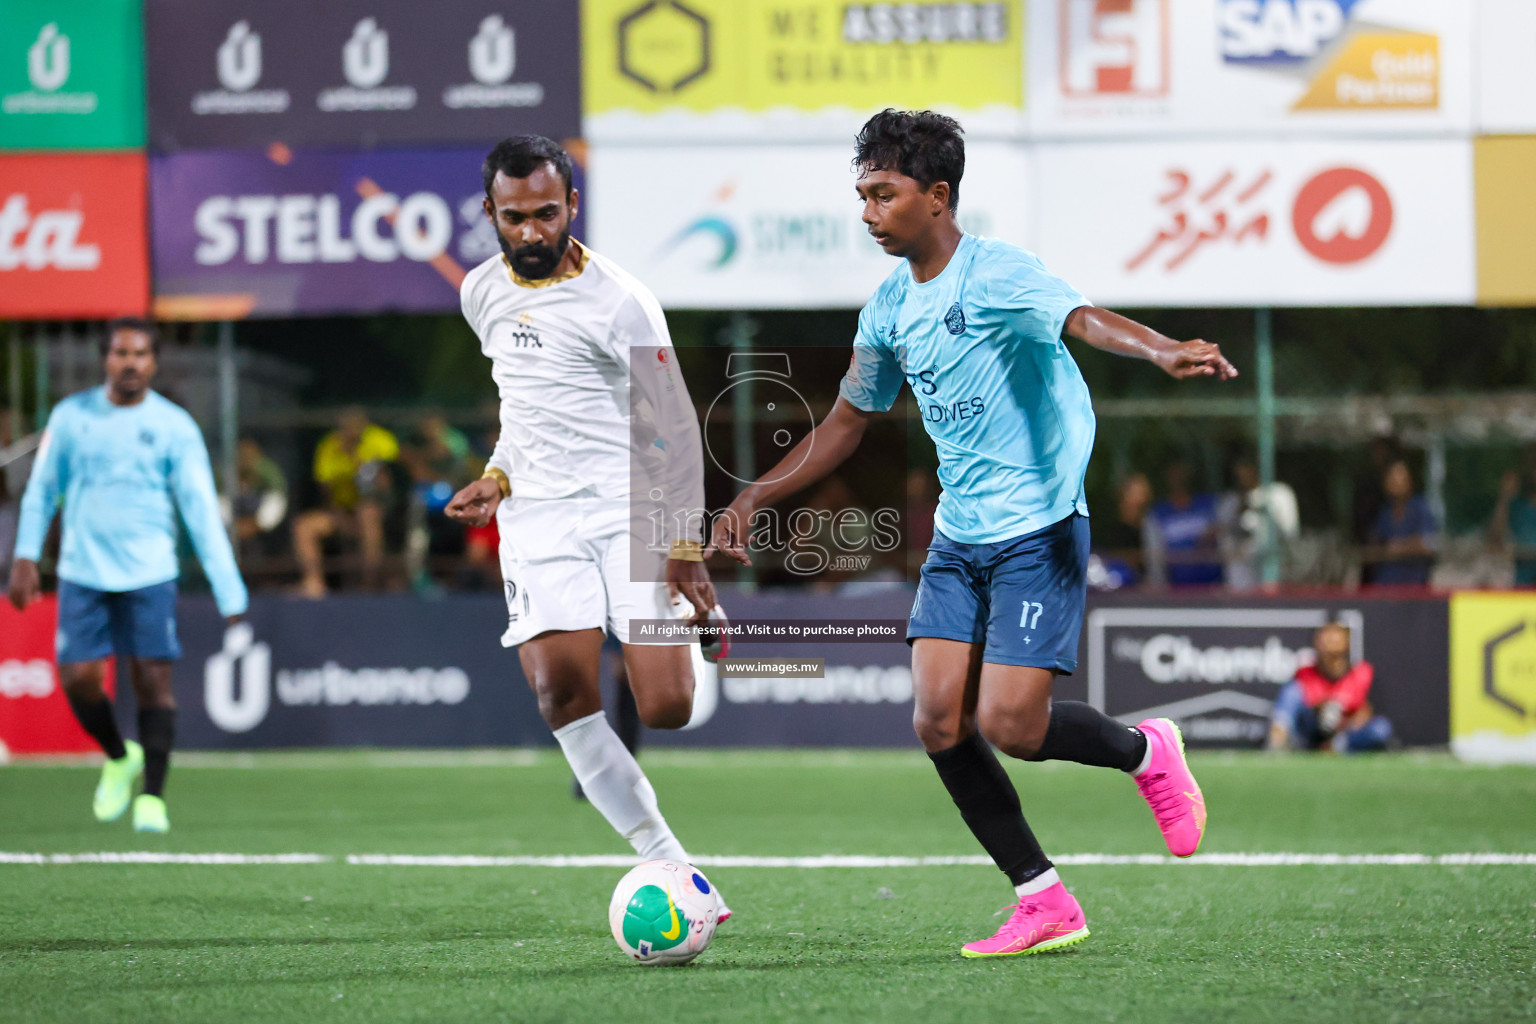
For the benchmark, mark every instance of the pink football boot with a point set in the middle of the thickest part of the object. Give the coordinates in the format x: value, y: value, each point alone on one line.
x: 1045, y: 921
x: 1170, y: 790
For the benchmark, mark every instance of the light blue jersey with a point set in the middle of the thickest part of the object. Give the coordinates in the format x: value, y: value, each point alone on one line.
x: 123, y: 472
x: 1000, y: 394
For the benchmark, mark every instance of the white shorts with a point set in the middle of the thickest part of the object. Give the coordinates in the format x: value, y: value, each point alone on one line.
x: 565, y: 564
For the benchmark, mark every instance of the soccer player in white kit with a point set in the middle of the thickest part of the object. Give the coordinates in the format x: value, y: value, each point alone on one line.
x: 593, y: 413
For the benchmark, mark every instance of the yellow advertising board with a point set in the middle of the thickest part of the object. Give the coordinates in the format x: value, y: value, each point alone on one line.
x: 1506, y: 220
x: 1493, y: 676
x: 804, y: 57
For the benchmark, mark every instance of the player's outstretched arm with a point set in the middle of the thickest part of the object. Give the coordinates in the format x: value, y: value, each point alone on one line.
x: 1125, y: 337
x: 818, y: 453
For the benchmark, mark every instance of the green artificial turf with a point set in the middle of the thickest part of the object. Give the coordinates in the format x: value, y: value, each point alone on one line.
x: 343, y: 942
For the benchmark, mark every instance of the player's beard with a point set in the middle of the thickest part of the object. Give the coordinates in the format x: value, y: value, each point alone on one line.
x: 536, y: 262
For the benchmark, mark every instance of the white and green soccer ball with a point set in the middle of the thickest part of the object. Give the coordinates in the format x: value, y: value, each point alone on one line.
x: 663, y: 912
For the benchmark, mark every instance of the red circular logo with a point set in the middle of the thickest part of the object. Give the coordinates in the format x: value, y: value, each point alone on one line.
x: 661, y: 355
x: 1330, y: 218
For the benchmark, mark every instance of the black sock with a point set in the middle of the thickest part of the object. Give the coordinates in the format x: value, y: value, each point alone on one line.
x: 1082, y: 733
x: 96, y: 718
x: 990, y: 806
x: 157, y: 731
x: 629, y: 718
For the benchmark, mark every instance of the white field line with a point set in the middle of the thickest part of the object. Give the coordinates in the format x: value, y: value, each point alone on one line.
x: 1246, y: 860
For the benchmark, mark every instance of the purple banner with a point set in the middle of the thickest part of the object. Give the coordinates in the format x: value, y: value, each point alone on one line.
x: 280, y: 233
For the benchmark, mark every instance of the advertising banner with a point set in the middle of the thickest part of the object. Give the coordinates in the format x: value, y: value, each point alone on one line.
x: 71, y: 75
x: 814, y: 69
x: 72, y: 243
x: 34, y: 716
x: 370, y: 671
x: 1506, y: 70
x: 1493, y: 677
x: 302, y: 232
x: 357, y: 73
x: 398, y: 671
x: 1255, y: 224
x: 1215, y: 665
x: 1264, y: 67
x: 1506, y: 220
x: 766, y: 227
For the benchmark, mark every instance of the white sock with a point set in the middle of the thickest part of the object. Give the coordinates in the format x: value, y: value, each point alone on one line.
x: 1039, y: 883
x: 615, y: 785
x: 1146, y: 759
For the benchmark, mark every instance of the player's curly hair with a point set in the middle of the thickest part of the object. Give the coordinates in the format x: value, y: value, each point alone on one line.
x: 131, y: 323
x: 921, y: 144
x: 521, y: 155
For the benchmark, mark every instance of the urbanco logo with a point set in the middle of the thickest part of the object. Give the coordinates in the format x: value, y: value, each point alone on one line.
x: 240, y: 58
x: 492, y: 59
x: 48, y: 69
x: 365, y: 57
x: 48, y: 59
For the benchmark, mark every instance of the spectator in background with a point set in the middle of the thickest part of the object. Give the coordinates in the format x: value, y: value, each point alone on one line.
x: 1405, y: 536
x: 440, y: 461
x: 1117, y: 539
x: 350, y: 467
x: 1326, y: 705
x: 1255, y: 520
x: 261, y: 502
x: 1369, y: 498
x: 1514, y: 519
x: 1181, y: 536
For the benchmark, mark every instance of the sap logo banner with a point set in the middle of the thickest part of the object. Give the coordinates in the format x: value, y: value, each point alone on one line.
x: 238, y: 684
x: 1216, y: 671
x: 1349, y: 65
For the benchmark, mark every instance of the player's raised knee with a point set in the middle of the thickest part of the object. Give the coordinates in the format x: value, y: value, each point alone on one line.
x: 1014, y: 731
x: 936, y: 731
x: 667, y: 707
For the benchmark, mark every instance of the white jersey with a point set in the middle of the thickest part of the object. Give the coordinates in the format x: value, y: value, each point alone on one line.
x: 590, y: 389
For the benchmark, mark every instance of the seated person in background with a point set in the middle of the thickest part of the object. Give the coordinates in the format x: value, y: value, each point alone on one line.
x: 1325, y: 706
x: 1254, y: 520
x: 261, y: 502
x: 1182, y: 535
x: 1514, y: 519
x: 441, y: 461
x: 349, y: 467
x: 1117, y: 539
x: 1406, y: 533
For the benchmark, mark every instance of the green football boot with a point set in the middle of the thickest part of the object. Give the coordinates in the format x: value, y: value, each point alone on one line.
x: 116, y: 786
x: 149, y: 814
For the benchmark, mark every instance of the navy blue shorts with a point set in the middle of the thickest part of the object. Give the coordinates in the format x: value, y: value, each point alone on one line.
x: 1022, y: 598
x: 132, y: 623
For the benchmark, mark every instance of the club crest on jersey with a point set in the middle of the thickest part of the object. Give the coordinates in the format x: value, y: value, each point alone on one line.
x: 955, y: 319
x: 146, y: 438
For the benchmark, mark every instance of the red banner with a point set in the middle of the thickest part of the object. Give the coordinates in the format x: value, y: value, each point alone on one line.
x: 73, y: 236
x: 34, y: 716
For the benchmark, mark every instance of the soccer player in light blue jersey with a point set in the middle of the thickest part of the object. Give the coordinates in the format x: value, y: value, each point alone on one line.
x: 123, y: 461
x: 977, y: 329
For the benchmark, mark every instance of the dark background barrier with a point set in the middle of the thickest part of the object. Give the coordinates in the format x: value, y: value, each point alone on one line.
x: 397, y: 671
x: 228, y: 73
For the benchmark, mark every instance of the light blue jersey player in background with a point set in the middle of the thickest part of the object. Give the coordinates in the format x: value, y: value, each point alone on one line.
x: 122, y: 461
x: 977, y: 328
